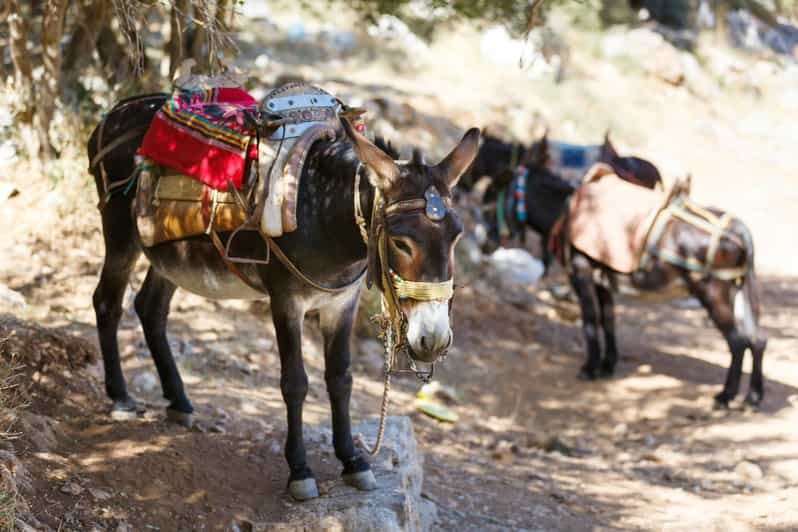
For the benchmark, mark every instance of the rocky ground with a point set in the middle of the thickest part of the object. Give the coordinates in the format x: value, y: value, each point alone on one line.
x: 533, y: 448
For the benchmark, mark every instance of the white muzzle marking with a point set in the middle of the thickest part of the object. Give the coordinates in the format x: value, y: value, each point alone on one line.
x: 428, y: 330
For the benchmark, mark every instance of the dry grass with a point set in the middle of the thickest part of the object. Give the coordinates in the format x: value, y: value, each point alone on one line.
x: 12, y: 398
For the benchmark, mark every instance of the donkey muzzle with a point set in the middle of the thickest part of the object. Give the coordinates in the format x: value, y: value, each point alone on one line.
x: 429, y: 334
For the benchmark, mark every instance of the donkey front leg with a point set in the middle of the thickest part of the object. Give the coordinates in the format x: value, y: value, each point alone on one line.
x: 582, y: 283
x: 336, y: 326
x: 287, y: 316
x: 607, y: 309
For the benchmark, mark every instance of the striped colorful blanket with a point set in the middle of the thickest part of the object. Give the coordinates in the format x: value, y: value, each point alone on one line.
x: 202, y: 133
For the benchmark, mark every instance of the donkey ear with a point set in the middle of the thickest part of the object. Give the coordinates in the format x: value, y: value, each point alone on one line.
x: 608, y: 147
x: 460, y: 158
x: 384, y: 172
x: 538, y: 154
x: 481, y: 187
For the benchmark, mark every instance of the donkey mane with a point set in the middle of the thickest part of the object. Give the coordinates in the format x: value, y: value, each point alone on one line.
x: 387, y: 147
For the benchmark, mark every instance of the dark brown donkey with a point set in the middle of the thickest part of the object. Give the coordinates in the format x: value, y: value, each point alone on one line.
x: 730, y: 300
x: 327, y: 247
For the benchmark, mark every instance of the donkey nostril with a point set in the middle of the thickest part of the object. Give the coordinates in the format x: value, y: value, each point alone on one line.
x: 424, y: 342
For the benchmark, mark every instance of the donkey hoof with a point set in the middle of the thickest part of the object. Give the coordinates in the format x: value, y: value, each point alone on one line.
x: 125, y: 410
x: 586, y: 375
x: 362, y: 480
x: 181, y: 418
x: 302, y: 490
x: 753, y: 399
x: 606, y: 371
x: 721, y: 402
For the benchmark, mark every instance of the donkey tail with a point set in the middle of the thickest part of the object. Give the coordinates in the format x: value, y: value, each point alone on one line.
x: 746, y: 296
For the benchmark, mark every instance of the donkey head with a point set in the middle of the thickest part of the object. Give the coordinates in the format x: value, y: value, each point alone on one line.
x: 421, y: 239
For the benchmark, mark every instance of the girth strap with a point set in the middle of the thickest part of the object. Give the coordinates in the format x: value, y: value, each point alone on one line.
x: 217, y: 242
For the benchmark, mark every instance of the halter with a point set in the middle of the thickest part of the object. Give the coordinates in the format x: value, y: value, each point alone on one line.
x: 393, y: 320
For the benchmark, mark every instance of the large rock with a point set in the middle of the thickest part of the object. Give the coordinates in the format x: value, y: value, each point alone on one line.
x: 510, y: 273
x: 649, y: 50
x: 396, y: 504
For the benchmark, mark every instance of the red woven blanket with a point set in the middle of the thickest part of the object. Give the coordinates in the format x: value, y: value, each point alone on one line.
x: 203, y: 134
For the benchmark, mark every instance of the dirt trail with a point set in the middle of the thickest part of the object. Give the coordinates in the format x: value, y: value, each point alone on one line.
x: 534, y: 447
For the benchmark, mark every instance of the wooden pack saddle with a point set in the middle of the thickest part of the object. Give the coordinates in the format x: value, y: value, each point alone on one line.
x: 171, y: 206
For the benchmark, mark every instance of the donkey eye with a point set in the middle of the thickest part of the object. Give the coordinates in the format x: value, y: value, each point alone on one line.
x: 402, y: 246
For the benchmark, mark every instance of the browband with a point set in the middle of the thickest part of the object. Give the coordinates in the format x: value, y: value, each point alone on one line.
x: 412, y: 205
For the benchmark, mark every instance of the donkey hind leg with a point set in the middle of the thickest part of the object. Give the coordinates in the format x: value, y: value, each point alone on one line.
x: 718, y: 298
x: 336, y: 326
x: 585, y: 288
x: 607, y: 310
x: 152, y: 307
x: 756, y: 387
x: 746, y: 314
x: 121, y: 254
x: 287, y: 316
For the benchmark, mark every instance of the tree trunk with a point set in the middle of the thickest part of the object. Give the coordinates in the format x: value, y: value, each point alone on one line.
x: 23, y: 72
x: 176, y: 47
x: 50, y: 86
x: 200, y: 34
x: 25, y: 105
x: 94, y: 15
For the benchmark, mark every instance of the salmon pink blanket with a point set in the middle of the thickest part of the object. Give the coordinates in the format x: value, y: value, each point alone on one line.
x: 609, y: 218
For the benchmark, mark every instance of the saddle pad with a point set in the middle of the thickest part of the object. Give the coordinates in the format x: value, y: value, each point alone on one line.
x: 202, y: 133
x: 571, y: 161
x: 609, y: 218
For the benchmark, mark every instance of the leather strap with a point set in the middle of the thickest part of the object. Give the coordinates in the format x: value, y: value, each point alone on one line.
x: 111, y: 146
x: 217, y: 242
x: 411, y: 205
x: 301, y: 276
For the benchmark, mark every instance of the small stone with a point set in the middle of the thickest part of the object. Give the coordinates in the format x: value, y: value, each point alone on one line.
x: 218, y: 428
x: 145, y: 382
x: 72, y: 488
x: 620, y: 429
x: 99, y: 494
x: 275, y: 447
x: 749, y: 471
x: 11, y: 299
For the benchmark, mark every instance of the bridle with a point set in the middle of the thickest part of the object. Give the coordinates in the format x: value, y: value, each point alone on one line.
x: 393, y: 320
x: 394, y: 288
x: 510, y: 206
